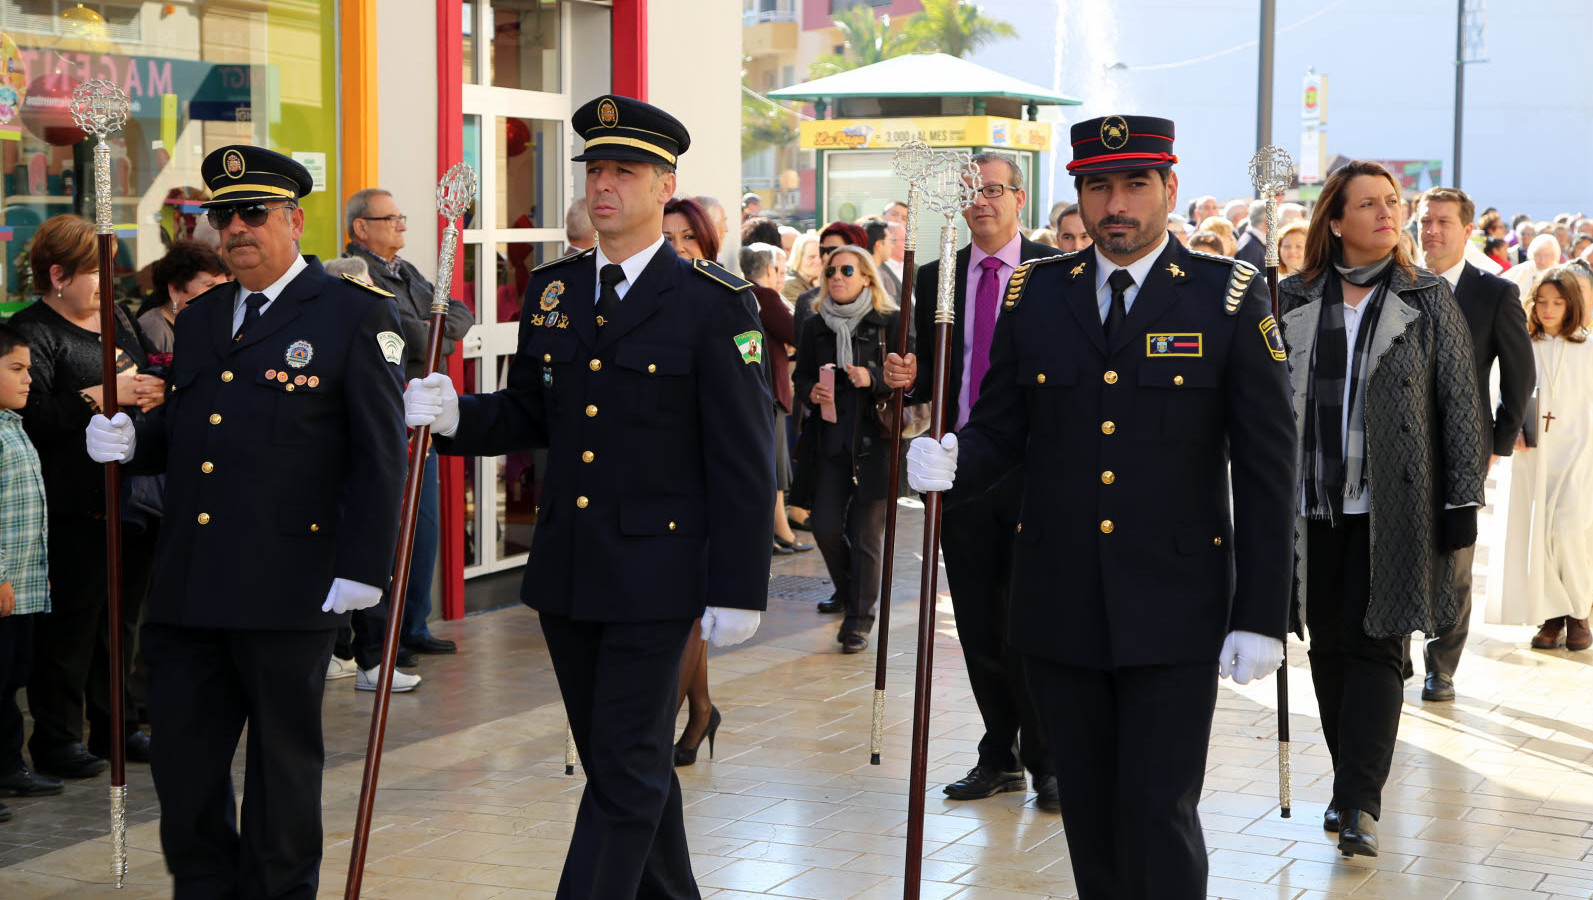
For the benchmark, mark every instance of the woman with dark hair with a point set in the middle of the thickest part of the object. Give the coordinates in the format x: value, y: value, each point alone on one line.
x: 845, y: 477
x: 1548, y: 554
x: 688, y: 229
x: 71, y: 665
x: 188, y: 269
x: 1385, y: 400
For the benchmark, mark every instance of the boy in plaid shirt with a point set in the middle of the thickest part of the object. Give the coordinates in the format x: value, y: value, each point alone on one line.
x: 24, y: 579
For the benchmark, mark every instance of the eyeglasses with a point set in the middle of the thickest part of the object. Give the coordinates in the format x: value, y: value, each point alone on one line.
x: 400, y: 219
x: 848, y: 271
x: 824, y: 252
x: 994, y: 191
x: 253, y: 216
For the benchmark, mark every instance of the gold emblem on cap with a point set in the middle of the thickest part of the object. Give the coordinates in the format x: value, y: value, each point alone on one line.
x: 607, y: 113
x: 232, y: 164
x: 1114, y: 133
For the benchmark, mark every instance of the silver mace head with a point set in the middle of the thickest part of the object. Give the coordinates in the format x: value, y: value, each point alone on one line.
x: 911, y: 162
x: 456, y: 193
x: 1272, y: 170
x: 951, y: 182
x: 99, y: 108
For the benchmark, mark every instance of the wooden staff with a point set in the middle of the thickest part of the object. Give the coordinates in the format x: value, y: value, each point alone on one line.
x: 949, y: 189
x: 909, y: 164
x: 1271, y: 173
x: 100, y: 109
x: 455, y: 194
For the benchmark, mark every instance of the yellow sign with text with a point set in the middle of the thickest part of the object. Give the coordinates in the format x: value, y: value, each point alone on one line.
x: 944, y: 131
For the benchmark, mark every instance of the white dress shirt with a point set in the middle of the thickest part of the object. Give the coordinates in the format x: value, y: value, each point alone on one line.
x: 272, y: 292
x: 1139, y: 269
x: 633, y: 266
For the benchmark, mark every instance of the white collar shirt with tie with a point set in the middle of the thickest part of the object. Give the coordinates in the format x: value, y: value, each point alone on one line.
x: 632, y: 266
x: 272, y: 292
x: 1139, y: 269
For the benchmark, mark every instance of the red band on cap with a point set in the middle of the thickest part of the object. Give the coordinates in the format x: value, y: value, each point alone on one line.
x: 1151, y: 159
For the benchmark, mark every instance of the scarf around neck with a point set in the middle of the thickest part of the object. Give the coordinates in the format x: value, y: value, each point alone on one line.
x: 842, y: 319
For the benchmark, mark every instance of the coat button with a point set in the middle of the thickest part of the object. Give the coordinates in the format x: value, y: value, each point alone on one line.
x: 595, y: 365
x: 1110, y: 377
x: 288, y: 387
x: 1407, y: 382
x: 591, y: 411
x: 1108, y: 477
x: 588, y: 456
x: 204, y: 518
x: 1216, y: 542
x: 651, y: 368
x: 215, y: 418
x: 1108, y: 427
x: 1404, y: 426
x: 314, y: 527
x: 1040, y: 378
x: 547, y: 357
x: 226, y: 376
x: 1106, y: 526
x: 1178, y: 379
x: 1020, y: 527
x: 581, y: 502
x: 671, y: 526
x: 208, y: 467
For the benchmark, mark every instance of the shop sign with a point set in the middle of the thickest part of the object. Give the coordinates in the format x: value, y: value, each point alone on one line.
x: 938, y: 131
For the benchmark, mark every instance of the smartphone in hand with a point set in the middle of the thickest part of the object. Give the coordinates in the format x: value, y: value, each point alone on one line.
x: 827, y: 379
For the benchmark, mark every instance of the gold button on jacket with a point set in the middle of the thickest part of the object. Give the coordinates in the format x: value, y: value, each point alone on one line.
x: 1106, y: 526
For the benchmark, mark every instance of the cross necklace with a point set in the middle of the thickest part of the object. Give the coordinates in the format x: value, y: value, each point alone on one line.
x: 1559, y: 362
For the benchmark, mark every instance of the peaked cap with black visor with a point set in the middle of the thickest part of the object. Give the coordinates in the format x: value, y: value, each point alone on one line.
x: 242, y: 175
x: 616, y: 127
x: 1121, y: 144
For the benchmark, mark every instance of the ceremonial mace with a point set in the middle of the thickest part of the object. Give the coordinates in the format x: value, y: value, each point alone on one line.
x: 455, y: 194
x: 100, y: 110
x: 951, y: 182
x: 1271, y: 173
x: 911, y: 164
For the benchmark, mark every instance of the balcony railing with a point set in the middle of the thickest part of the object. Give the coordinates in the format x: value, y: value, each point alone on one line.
x: 757, y: 12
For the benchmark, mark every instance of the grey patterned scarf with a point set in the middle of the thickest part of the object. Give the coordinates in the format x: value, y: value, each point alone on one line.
x: 842, y: 319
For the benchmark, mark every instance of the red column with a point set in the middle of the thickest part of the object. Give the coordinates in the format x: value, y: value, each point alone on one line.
x: 451, y: 149
x: 630, y: 48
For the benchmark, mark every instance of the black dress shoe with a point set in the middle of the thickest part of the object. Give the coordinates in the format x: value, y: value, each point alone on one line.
x: 1330, y: 820
x: 792, y: 546
x: 1357, y: 833
x: 406, y: 658
x: 1438, y: 687
x: 982, y: 782
x: 431, y: 645
x: 798, y: 526
x: 5, y: 813
x: 1046, y: 796
x: 833, y: 605
x: 71, y: 761
x: 852, y: 642
x: 23, y: 783
x: 136, y: 747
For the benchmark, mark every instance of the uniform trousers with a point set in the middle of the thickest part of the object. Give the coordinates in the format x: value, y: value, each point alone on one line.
x: 71, y: 661
x: 976, y: 540
x: 16, y: 661
x: 1129, y: 773
x: 205, y: 685
x: 1358, y: 679
x: 619, y: 680
x: 1442, y: 653
x: 850, y: 533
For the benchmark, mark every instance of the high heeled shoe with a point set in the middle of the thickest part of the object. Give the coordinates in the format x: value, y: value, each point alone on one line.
x: 684, y: 755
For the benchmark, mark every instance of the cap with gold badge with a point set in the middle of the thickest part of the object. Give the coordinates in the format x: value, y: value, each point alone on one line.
x: 616, y: 127
x: 242, y: 173
x: 1121, y: 144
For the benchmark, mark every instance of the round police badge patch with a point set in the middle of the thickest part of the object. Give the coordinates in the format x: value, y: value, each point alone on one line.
x: 299, y: 354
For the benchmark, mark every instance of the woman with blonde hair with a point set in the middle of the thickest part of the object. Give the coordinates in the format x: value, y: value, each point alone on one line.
x: 806, y: 263
x: 1291, y: 247
x: 845, y: 480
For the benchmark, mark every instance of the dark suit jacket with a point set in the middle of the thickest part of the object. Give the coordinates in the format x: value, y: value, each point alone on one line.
x: 658, y: 498
x: 1130, y: 551
x: 1252, y: 249
x: 924, y: 287
x: 275, y: 486
x: 1498, y: 324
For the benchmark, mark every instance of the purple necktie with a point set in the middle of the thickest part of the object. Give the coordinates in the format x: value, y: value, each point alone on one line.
x: 985, y: 298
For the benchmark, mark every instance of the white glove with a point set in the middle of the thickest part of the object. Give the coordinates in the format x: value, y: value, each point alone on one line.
x: 725, y: 626
x: 110, y: 440
x: 347, y: 596
x: 1247, y: 656
x: 932, y: 466
x: 432, y: 401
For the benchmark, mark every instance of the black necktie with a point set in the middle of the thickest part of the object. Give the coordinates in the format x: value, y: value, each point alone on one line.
x: 251, y: 312
x: 1120, y: 282
x: 608, y: 298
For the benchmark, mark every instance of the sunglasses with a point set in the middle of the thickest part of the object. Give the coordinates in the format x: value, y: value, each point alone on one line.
x: 848, y: 271
x: 253, y: 216
x: 824, y: 252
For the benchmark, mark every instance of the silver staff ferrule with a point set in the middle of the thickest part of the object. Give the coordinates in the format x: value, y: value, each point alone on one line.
x: 876, y: 736
x: 445, y: 271
x: 119, y: 833
x: 102, y: 189
x: 911, y: 242
x: 945, y: 289
x: 1272, y: 231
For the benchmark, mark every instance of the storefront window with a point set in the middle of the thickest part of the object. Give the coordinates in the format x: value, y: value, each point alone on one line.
x: 199, y: 75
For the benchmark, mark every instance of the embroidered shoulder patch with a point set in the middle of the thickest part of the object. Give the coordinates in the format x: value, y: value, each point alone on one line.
x: 750, y: 345
x: 1274, y: 339
x: 1238, y: 285
x: 392, y: 347
x: 1020, y: 277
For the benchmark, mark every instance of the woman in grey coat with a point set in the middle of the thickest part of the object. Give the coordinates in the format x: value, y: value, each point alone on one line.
x: 1391, y: 473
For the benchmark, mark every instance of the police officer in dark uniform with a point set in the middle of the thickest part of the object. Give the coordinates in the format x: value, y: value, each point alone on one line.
x: 643, y: 375
x: 1127, y: 381
x: 282, y: 440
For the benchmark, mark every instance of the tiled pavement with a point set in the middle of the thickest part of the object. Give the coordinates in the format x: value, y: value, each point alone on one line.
x: 1490, y: 797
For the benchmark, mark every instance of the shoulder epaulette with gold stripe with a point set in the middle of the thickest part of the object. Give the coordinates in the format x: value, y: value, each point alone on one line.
x: 721, y: 274
x: 366, y: 285
x: 565, y: 258
x: 1020, y: 277
x: 1238, y: 286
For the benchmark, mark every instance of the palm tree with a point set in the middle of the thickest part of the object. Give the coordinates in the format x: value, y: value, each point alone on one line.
x: 765, y: 123
x: 867, y: 41
x: 956, y: 27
